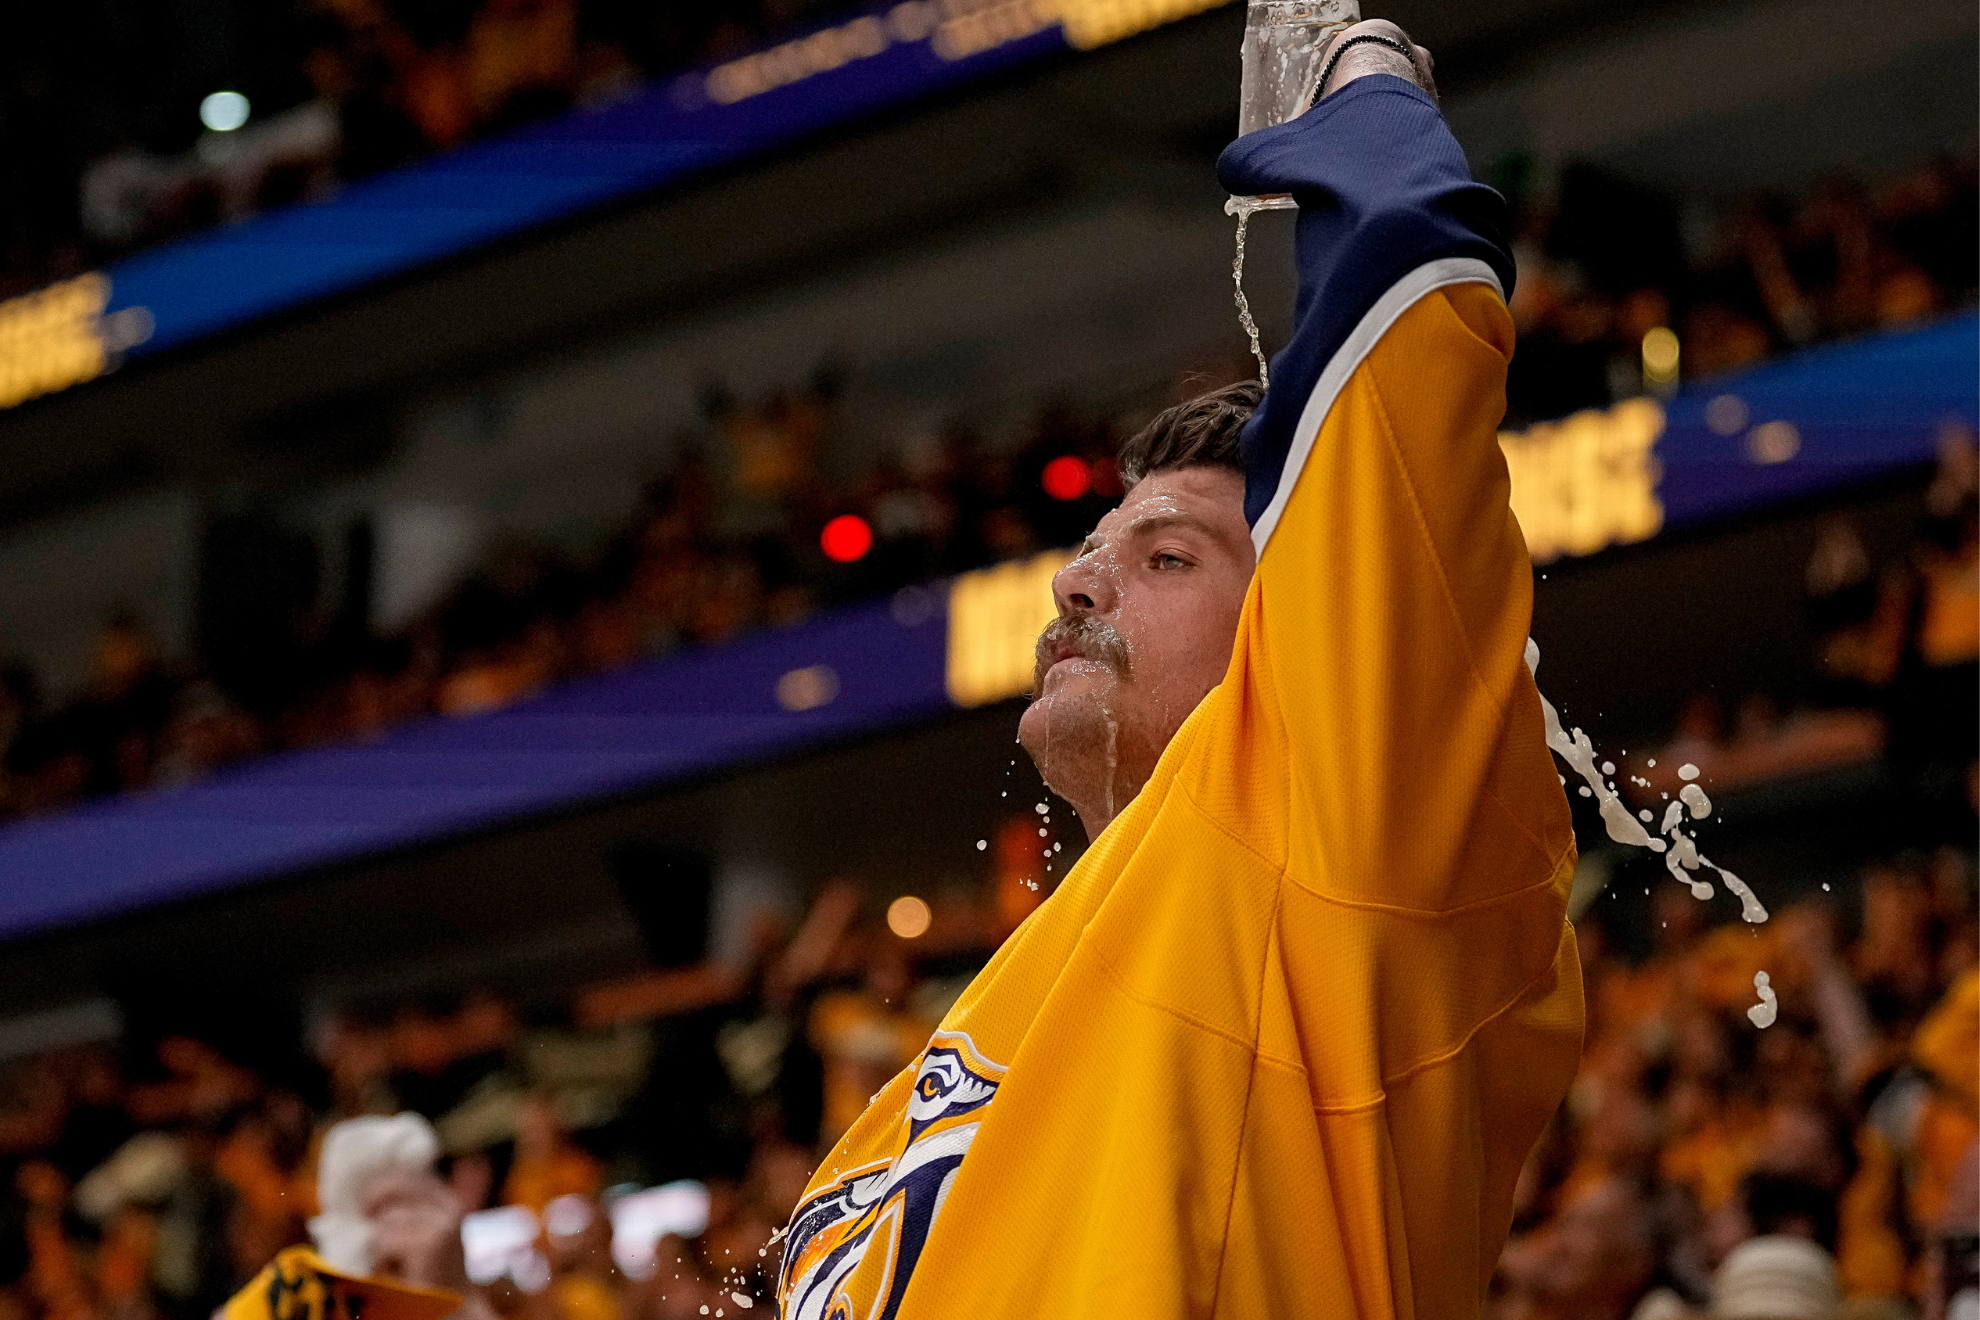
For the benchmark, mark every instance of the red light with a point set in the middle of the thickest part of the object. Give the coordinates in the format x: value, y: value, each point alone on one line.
x: 1066, y: 478
x: 845, y: 538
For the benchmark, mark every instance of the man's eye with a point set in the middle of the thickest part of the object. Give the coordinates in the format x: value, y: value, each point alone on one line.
x: 1167, y: 563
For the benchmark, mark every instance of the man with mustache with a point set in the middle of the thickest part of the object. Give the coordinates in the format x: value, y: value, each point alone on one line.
x: 1282, y: 1039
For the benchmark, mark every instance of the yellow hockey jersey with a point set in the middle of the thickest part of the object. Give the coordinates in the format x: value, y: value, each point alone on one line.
x: 1281, y: 1041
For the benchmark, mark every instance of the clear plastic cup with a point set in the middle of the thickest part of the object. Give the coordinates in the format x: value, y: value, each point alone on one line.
x: 1283, y: 43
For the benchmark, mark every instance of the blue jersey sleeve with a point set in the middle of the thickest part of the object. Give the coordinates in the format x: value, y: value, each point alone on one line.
x: 1387, y: 211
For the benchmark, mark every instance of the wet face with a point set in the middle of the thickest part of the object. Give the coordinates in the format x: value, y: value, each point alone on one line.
x: 1148, y: 613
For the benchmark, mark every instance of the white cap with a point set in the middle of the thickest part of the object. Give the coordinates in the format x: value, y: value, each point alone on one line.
x: 1776, y: 1278
x: 355, y: 1152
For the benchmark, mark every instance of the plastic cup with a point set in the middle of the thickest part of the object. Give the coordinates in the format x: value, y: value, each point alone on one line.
x: 1283, y: 43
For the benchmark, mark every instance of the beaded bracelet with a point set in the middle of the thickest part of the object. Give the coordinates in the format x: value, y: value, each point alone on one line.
x: 1334, y: 56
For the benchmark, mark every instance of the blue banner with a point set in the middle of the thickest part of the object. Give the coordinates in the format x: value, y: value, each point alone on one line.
x: 1824, y: 418
x: 773, y: 694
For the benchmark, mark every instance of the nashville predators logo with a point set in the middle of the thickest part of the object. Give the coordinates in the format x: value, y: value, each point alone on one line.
x: 854, y: 1245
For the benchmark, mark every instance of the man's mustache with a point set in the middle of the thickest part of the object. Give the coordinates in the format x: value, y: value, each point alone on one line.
x: 1082, y: 635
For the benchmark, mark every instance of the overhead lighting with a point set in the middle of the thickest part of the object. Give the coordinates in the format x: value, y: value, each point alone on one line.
x: 223, y: 112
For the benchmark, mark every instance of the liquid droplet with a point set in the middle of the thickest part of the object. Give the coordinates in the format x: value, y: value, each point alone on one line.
x: 1579, y: 752
x: 981, y: 844
x: 1694, y: 797
x: 1769, y: 1007
x: 1687, y: 772
x: 1750, y: 909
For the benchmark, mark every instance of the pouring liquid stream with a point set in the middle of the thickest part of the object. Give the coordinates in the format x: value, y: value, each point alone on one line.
x: 1244, y: 208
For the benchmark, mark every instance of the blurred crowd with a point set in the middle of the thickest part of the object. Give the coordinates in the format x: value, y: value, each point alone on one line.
x: 102, y: 153
x: 1850, y: 1122
x: 149, y: 1178
x: 730, y: 539
x: 1619, y: 291
x: 102, y: 149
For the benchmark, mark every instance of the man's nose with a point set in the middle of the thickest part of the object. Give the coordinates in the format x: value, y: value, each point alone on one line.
x: 1085, y: 586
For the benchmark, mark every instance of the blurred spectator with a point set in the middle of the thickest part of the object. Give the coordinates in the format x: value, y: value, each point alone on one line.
x: 583, y: 1279
x: 866, y: 1035
x: 1601, y: 265
x: 1778, y: 1278
x: 1591, y: 1260
x: 387, y: 1213
x: 547, y: 1165
x: 1694, y: 1148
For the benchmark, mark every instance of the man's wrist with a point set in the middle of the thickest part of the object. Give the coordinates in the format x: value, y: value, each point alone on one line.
x: 1371, y: 48
x: 1360, y: 61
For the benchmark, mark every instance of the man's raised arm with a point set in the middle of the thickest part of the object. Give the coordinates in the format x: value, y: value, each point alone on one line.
x: 1434, y: 1001
x: 1390, y: 611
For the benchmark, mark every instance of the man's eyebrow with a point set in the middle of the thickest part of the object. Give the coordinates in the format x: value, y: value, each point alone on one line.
x: 1155, y: 522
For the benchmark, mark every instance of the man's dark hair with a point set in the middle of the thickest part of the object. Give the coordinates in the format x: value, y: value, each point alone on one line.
x: 1202, y: 432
